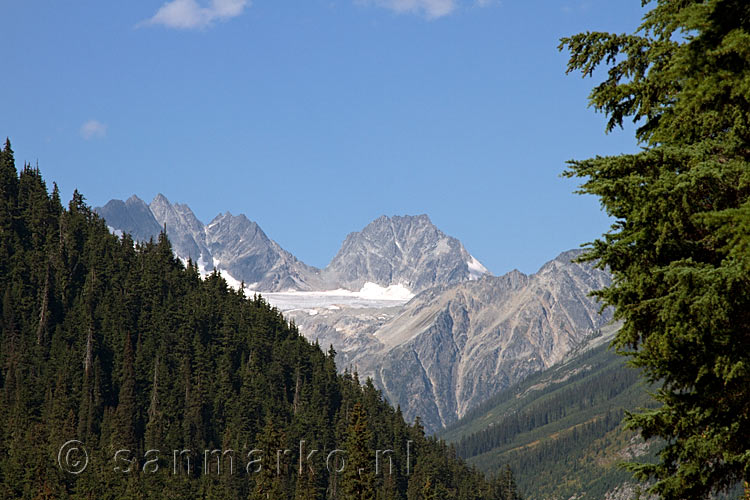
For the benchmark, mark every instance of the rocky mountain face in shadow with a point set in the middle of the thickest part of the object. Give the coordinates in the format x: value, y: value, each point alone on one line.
x: 132, y: 216
x: 239, y: 246
x: 230, y: 243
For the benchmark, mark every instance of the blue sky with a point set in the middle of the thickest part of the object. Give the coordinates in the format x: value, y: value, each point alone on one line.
x: 314, y: 117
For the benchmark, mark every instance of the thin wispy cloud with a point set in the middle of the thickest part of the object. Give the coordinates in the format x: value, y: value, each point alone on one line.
x: 429, y: 8
x: 93, y: 129
x: 432, y: 9
x: 189, y: 14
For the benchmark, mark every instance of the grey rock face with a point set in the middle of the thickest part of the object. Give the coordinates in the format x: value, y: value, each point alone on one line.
x: 482, y: 336
x: 453, y: 346
x: 132, y: 216
x: 629, y: 490
x: 184, y: 230
x: 407, y: 250
x: 241, y: 247
x: 351, y: 331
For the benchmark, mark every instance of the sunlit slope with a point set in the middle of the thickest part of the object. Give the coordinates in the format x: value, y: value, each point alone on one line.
x: 560, y: 430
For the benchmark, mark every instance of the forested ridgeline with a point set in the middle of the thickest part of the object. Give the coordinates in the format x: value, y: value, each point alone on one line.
x: 174, y: 386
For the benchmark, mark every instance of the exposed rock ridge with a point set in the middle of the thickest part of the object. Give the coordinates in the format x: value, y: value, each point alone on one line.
x: 452, y: 346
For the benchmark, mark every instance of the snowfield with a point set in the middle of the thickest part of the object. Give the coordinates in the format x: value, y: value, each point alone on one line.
x: 371, y: 295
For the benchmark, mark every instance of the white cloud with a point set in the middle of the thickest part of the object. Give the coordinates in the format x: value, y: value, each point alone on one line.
x: 189, y: 14
x: 93, y: 129
x: 430, y: 8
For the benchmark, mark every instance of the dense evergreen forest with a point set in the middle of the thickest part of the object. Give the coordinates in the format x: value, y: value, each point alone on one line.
x: 119, y: 346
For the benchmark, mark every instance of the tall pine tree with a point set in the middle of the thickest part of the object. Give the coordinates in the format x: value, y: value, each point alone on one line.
x: 358, y: 482
x: 679, y: 249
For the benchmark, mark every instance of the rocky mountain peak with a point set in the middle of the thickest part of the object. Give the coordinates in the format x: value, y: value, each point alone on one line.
x: 132, y: 216
x: 236, y: 235
x: 402, y: 250
x: 227, y: 221
x: 184, y: 229
x: 399, y: 220
x: 563, y: 259
x: 160, y: 202
x: 132, y: 201
x: 234, y: 244
x: 396, y: 228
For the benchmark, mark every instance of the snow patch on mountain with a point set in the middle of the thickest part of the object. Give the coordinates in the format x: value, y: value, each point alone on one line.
x: 476, y: 269
x: 231, y: 281
x: 392, y: 292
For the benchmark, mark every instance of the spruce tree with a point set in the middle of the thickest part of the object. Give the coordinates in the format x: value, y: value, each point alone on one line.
x: 127, y: 411
x: 358, y: 481
x: 268, y: 480
x: 8, y: 201
x: 679, y: 248
x: 307, y: 487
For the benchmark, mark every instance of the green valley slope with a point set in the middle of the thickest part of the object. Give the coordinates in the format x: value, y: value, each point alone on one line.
x: 560, y: 430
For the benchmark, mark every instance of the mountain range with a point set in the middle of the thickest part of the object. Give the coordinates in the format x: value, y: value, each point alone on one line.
x: 401, y: 302
x: 407, y: 251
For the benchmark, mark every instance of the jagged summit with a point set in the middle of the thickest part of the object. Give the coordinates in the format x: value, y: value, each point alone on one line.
x: 402, y: 250
x: 184, y: 229
x: 239, y: 246
x: 158, y: 199
x: 234, y: 245
x: 132, y: 216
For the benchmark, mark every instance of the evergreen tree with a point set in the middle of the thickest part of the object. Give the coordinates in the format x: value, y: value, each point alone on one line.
x: 307, y: 486
x: 358, y: 477
x: 679, y: 249
x: 504, y: 486
x: 268, y: 479
x: 127, y: 411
